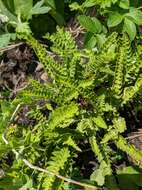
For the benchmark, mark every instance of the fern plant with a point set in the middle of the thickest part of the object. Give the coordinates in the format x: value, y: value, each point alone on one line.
x: 82, y: 98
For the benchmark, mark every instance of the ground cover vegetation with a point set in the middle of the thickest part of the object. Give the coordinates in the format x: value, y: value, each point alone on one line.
x: 70, y: 95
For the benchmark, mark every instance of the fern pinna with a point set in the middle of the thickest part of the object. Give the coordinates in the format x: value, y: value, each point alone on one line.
x: 81, y: 102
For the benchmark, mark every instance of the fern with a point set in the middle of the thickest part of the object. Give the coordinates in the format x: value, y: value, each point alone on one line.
x: 56, y: 164
x: 81, y: 102
x: 63, y: 43
x: 120, y: 70
x: 129, y: 149
x: 130, y: 92
x: 119, y: 126
x: 63, y: 115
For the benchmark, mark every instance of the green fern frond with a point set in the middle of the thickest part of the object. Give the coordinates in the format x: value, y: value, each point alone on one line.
x: 63, y: 42
x: 96, y: 149
x: 56, y: 164
x: 62, y: 116
x: 104, y: 169
x: 110, y: 43
x: 38, y: 90
x: 133, y: 63
x: 119, y: 126
x: 40, y: 51
x: 122, y: 144
x: 130, y: 92
x: 101, y: 3
x: 119, y: 70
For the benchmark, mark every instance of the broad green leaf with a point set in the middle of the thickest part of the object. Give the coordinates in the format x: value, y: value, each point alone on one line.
x: 51, y: 3
x: 97, y: 24
x: 28, y: 185
x: 90, y: 40
x: 131, y: 177
x: 99, y: 174
x: 39, y: 9
x: 135, y: 15
x: 91, y: 24
x: 114, y: 19
x: 57, y: 10
x: 10, y: 5
x: 100, y: 39
x: 89, y: 3
x: 58, y: 17
x: 60, y: 6
x: 57, y: 5
x: 23, y: 8
x: 5, y: 39
x: 124, y: 4
x: 6, y: 12
x: 130, y: 28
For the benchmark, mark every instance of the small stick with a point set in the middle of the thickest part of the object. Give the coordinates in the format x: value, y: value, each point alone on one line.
x: 10, y: 47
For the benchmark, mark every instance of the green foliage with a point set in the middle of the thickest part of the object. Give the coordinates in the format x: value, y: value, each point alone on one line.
x: 24, y: 17
x: 118, y: 15
x: 82, y: 101
x: 130, y: 176
x: 57, y: 164
x: 23, y: 11
x: 83, y: 98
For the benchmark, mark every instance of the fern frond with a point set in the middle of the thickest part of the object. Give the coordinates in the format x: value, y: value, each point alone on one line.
x: 133, y: 63
x: 96, y: 149
x: 130, y: 92
x: 119, y: 126
x: 105, y: 165
x: 122, y: 144
x: 38, y: 90
x: 119, y: 70
x: 63, y: 42
x: 40, y: 51
x: 102, y: 3
x: 110, y: 43
x: 62, y: 115
x: 56, y: 164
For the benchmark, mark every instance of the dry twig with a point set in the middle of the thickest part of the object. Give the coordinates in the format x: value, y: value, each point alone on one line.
x: 10, y: 47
